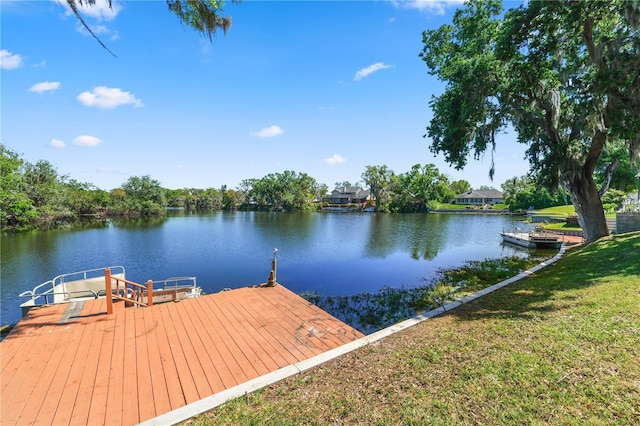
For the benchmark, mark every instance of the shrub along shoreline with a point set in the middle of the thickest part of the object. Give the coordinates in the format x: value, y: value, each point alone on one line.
x: 559, y: 347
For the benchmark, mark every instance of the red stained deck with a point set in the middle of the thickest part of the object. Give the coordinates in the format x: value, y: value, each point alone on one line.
x: 139, y: 363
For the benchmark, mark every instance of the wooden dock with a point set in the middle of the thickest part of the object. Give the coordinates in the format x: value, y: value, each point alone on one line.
x: 74, y: 364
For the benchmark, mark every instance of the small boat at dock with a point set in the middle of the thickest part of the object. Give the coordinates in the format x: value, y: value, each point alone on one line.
x: 532, y: 239
x: 90, y: 284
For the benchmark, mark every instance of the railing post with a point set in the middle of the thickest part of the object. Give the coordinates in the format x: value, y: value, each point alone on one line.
x: 149, y: 293
x: 107, y: 289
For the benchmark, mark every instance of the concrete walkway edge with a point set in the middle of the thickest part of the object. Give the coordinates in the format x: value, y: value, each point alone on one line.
x: 207, y: 404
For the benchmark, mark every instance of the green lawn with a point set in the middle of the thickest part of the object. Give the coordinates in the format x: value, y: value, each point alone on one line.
x: 563, y: 212
x: 557, y: 211
x: 560, y: 347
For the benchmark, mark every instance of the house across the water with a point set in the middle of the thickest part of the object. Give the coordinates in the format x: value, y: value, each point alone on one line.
x: 348, y: 195
x: 479, y: 197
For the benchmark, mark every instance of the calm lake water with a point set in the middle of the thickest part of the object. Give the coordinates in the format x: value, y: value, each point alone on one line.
x: 328, y: 253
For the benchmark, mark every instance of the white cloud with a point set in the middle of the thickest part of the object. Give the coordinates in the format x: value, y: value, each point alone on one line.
x: 45, y: 86
x: 269, y: 132
x: 106, y: 97
x: 99, y: 30
x: 436, y: 7
x: 334, y: 159
x: 100, y: 11
x: 9, y: 61
x: 86, y: 140
x: 364, y: 72
x: 56, y: 143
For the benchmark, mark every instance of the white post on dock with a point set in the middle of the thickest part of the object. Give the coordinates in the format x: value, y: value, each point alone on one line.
x: 272, y: 275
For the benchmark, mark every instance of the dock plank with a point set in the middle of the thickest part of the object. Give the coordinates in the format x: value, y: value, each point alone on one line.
x: 35, y: 385
x: 212, y: 362
x: 160, y: 400
x: 268, y: 352
x: 270, y: 322
x: 66, y: 403
x: 252, y: 351
x: 308, y: 329
x: 188, y: 387
x: 146, y: 405
x: 139, y: 363
x: 227, y: 366
x: 88, y: 379
x: 227, y: 342
x: 98, y: 407
x: 115, y: 381
x: 45, y: 411
x: 187, y: 337
x: 169, y: 365
x: 19, y: 341
x: 130, y: 372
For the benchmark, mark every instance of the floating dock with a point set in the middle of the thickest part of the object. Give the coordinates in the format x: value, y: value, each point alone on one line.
x: 75, y: 364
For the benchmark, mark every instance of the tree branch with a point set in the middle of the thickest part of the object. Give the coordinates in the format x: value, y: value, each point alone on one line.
x: 74, y: 8
x: 588, y: 38
x: 608, y: 174
x: 550, y: 127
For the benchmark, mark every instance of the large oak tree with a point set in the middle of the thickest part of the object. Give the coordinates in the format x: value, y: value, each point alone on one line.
x: 564, y: 74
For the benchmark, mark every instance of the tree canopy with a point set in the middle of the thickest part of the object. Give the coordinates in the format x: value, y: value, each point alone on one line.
x: 36, y: 196
x: 564, y: 74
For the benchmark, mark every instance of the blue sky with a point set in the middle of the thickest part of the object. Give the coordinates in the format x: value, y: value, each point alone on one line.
x: 325, y: 88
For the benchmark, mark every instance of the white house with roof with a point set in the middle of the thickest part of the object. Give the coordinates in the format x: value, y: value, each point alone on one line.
x: 479, y: 197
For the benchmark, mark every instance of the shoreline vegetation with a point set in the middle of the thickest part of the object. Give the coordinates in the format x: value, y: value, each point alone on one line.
x: 34, y: 196
x: 558, y: 347
x: 369, y: 312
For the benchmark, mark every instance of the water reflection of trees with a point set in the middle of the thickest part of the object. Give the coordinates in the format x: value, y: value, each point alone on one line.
x: 90, y: 223
x: 139, y: 222
x: 421, y: 235
x: 283, y: 225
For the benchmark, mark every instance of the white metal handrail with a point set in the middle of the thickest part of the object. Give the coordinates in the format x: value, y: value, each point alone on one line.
x: 50, y: 285
x: 176, y: 282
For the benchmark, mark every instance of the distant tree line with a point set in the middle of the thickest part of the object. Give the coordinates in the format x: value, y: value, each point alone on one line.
x: 35, y: 196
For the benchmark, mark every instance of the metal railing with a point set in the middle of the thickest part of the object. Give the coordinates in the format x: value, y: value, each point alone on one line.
x: 176, y: 283
x: 54, y: 290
